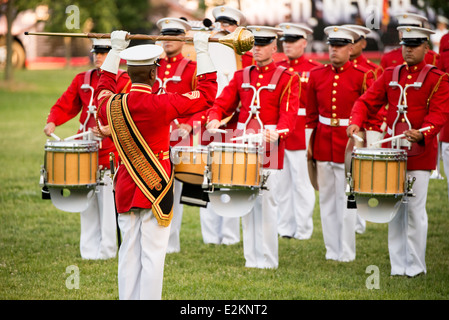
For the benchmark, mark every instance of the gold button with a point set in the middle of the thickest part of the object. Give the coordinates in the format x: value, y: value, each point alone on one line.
x: 260, y: 76
x: 334, y: 115
x: 167, y: 73
x: 409, y: 76
x: 334, y: 99
x: 174, y: 59
x: 168, y: 66
x: 334, y: 91
x: 337, y: 77
x: 403, y: 120
x: 258, y: 84
x: 334, y: 107
x: 335, y: 84
x: 290, y: 69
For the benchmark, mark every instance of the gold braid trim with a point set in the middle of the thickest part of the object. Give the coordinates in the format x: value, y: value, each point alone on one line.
x: 436, y: 88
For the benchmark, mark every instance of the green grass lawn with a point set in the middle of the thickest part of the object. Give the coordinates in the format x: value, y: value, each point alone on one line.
x: 38, y: 242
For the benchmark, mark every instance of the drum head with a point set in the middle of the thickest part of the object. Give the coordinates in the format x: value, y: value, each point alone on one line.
x: 378, y: 209
x: 233, y: 202
x: 71, y: 200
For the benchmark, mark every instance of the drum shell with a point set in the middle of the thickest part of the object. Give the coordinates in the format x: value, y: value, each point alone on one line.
x: 234, y: 165
x: 379, y: 172
x: 189, y: 163
x: 71, y: 164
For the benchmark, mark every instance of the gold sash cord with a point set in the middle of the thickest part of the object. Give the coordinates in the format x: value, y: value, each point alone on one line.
x: 140, y: 161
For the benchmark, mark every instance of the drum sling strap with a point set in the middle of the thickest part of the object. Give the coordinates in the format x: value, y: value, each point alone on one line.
x: 415, y: 148
x: 140, y: 161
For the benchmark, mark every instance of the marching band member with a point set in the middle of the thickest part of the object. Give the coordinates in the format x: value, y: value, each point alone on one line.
x: 332, y: 90
x: 407, y: 232
x: 278, y: 110
x: 98, y: 238
x: 140, y: 126
x: 176, y: 74
x: 296, y: 194
x: 216, y: 229
x: 394, y: 57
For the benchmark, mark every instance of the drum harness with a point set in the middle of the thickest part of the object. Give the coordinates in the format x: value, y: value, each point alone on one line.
x: 402, y: 103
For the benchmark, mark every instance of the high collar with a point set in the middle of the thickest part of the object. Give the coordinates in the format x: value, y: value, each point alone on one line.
x: 176, y: 58
x: 294, y: 62
x: 343, y: 68
x: 269, y: 67
x: 360, y: 59
x: 141, y: 87
x: 417, y: 67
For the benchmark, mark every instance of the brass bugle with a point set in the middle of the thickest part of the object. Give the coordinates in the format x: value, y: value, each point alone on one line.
x: 241, y: 40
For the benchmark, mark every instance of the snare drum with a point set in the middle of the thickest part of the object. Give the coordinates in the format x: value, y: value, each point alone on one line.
x: 234, y: 165
x: 379, y: 171
x: 71, y: 164
x: 190, y: 163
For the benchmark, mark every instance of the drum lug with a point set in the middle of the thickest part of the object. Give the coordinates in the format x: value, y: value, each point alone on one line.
x: 409, y: 186
x: 43, y: 176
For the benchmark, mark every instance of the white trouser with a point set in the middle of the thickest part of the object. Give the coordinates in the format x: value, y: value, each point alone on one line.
x: 407, y: 232
x: 98, y: 239
x: 141, y: 256
x: 174, y: 244
x: 296, y: 197
x: 217, y: 229
x: 337, y: 221
x: 445, y: 155
x: 260, y: 238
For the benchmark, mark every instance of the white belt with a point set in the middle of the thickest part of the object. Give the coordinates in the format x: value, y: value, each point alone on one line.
x: 301, y: 111
x: 334, y: 122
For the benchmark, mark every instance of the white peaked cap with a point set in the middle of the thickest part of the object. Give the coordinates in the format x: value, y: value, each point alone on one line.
x: 173, y: 23
x: 340, y: 35
x: 410, y: 19
x: 229, y: 13
x: 360, y: 30
x: 414, y: 36
x: 295, y: 29
x: 141, y: 55
x: 264, y: 35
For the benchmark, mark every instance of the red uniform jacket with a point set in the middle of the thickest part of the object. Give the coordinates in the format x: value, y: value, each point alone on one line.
x: 75, y: 99
x: 279, y: 107
x: 394, y: 57
x: 443, y: 65
x: 330, y: 95
x: 186, y: 70
x: 375, y: 121
x: 302, y: 66
x: 427, y: 106
x: 152, y: 115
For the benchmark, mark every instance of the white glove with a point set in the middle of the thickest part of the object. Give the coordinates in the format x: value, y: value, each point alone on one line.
x: 119, y: 43
x: 204, y: 62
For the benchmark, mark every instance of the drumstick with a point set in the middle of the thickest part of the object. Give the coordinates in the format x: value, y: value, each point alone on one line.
x: 55, y: 136
x: 217, y: 130
x: 357, y: 138
x: 256, y: 135
x: 397, y: 137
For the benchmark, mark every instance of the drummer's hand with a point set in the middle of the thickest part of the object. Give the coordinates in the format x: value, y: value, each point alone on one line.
x: 214, y: 124
x: 270, y: 136
x: 184, y: 130
x: 105, y: 131
x: 49, y: 128
x: 352, y: 130
x: 413, y: 135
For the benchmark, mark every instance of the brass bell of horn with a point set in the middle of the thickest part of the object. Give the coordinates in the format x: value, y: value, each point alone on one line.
x: 241, y: 40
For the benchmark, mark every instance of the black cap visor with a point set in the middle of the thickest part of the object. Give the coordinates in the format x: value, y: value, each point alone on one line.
x: 263, y: 41
x: 226, y: 20
x: 290, y: 37
x: 412, y: 42
x: 172, y: 32
x: 100, y: 49
x: 338, y: 41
